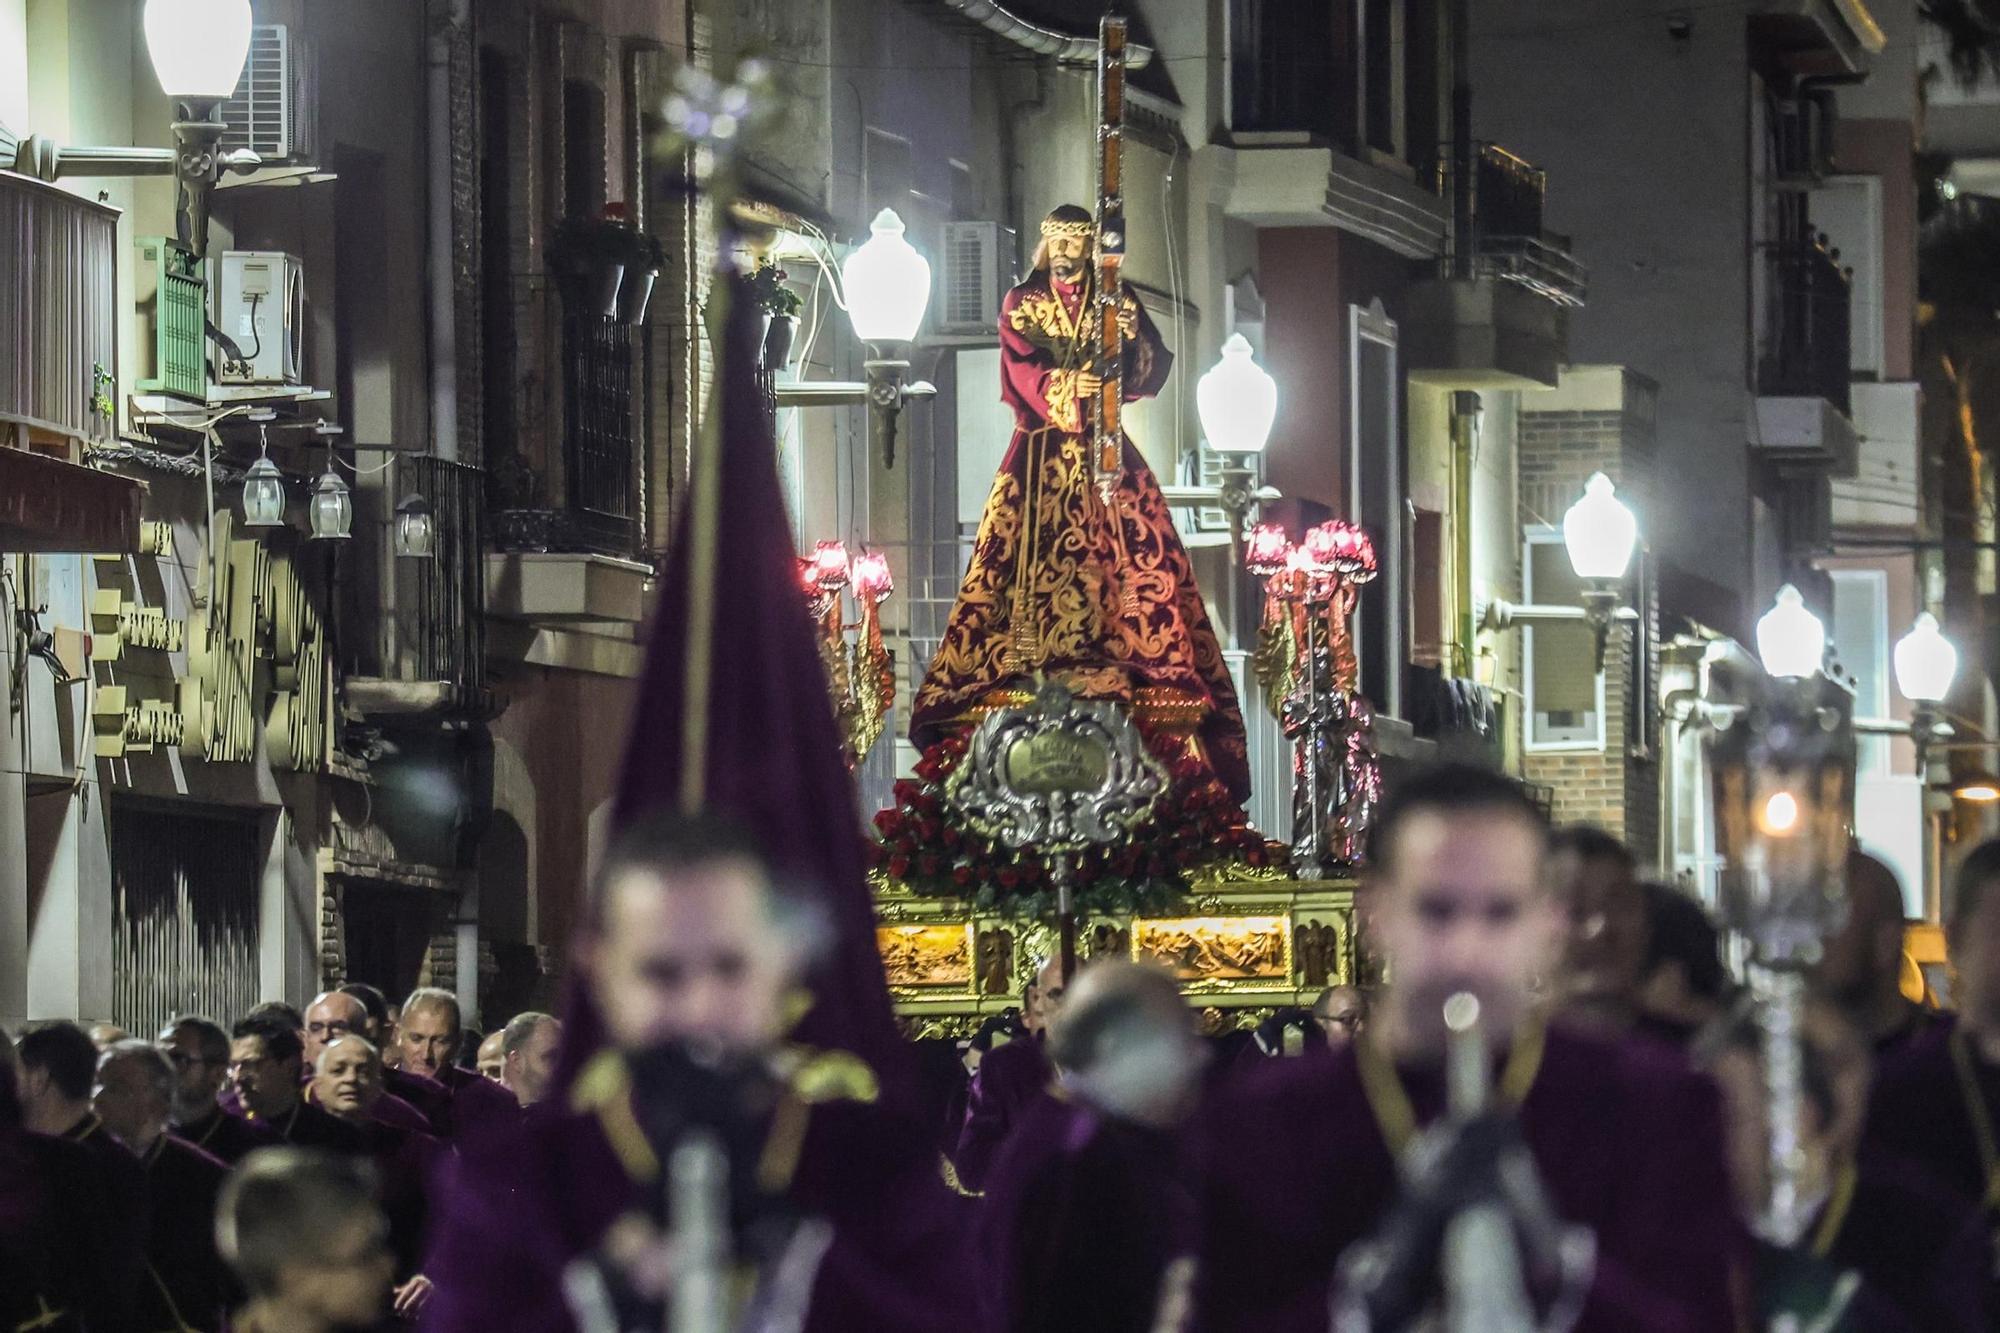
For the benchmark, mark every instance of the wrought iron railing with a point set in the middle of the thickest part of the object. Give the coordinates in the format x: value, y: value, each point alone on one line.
x: 445, y: 637
x: 1502, y: 234
x: 600, y: 445
x: 1806, y: 351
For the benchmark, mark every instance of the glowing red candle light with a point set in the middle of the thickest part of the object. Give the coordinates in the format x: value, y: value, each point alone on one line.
x: 1266, y: 550
x: 829, y: 561
x: 872, y: 581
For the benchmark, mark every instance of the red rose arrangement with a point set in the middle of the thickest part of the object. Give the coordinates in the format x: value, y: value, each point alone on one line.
x: 1196, y: 824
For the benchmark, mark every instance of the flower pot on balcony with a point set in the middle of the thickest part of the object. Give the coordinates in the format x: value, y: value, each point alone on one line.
x: 779, y: 338
x: 635, y: 294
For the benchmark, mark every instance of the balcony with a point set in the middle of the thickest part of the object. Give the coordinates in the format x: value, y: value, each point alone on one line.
x: 1804, y: 393
x: 1298, y: 153
x: 1495, y: 314
x: 437, y: 629
x: 58, y: 373
x: 1792, y: 39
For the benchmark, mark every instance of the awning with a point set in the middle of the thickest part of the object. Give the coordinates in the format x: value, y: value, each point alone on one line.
x: 49, y: 506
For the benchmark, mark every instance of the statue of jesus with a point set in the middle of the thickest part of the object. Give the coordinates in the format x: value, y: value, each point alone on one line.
x: 1100, y: 596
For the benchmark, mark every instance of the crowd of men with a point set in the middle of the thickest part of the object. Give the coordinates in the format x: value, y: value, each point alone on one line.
x: 1090, y: 1163
x: 124, y: 1154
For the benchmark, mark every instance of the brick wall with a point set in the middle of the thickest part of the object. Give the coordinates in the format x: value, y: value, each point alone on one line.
x: 1617, y: 787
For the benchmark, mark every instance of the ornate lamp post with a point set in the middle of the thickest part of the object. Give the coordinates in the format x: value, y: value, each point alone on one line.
x: 887, y: 285
x: 1600, y: 534
x: 1305, y: 662
x: 860, y: 675
x: 1238, y: 401
x: 197, y: 48
x: 1782, y: 745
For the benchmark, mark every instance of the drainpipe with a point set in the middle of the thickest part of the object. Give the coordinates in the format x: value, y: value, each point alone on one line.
x: 1463, y: 242
x: 451, y: 17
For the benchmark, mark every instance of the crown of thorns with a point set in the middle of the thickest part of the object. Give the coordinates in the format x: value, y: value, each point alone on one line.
x: 1067, y: 227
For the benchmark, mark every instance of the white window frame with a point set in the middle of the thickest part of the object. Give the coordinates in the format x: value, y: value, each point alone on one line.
x: 1531, y: 537
x: 1872, y: 755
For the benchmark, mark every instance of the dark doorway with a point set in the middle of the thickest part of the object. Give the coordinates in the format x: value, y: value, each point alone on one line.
x: 185, y: 888
x: 387, y: 930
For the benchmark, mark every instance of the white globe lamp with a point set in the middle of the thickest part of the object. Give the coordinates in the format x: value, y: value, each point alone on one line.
x: 1926, y: 662
x: 1791, y: 639
x: 887, y: 284
x: 1237, y: 400
x: 198, y: 46
x: 1600, y: 532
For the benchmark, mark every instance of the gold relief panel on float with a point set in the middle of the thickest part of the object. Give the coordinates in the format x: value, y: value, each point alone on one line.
x: 927, y: 958
x: 1213, y: 950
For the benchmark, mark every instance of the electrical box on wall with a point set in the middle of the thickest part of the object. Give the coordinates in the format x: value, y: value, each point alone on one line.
x: 260, y: 306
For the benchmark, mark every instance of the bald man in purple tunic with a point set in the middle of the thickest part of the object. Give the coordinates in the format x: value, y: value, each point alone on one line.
x: 834, y: 1199
x: 1300, y: 1159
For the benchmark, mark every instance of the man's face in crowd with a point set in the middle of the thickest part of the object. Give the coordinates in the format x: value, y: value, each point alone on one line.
x: 1975, y: 950
x: 1044, y: 999
x: 349, y: 1081
x: 329, y: 1017
x: 200, y: 1079
x: 1604, y: 949
x: 531, y: 1069
x: 265, y: 1086
x: 429, y: 1039
x: 1462, y: 906
x: 491, y: 1057
x: 126, y: 1100
x: 1067, y: 255
x: 1339, y: 1015
x: 700, y: 961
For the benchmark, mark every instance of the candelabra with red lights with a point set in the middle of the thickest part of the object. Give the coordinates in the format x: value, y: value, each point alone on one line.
x: 1305, y: 661
x: 861, y: 672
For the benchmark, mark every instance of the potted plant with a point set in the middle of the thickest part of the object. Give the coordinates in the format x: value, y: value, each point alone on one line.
x: 780, y: 307
x: 643, y: 257
x: 588, y: 257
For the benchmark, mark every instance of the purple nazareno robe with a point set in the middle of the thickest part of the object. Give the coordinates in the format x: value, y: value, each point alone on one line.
x: 1083, y: 1218
x: 522, y: 1205
x: 1011, y: 1078
x: 1294, y: 1170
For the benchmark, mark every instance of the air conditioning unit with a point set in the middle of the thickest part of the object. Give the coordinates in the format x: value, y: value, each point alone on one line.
x: 271, y: 111
x: 260, y: 305
x: 975, y: 265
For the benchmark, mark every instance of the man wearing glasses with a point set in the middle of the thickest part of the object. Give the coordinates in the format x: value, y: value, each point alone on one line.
x: 199, y: 1051
x: 1339, y: 1011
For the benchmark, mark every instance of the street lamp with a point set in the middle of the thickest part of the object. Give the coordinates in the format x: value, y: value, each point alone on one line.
x: 1237, y: 401
x: 1790, y: 639
x: 1600, y: 534
x: 1925, y: 662
x: 887, y: 286
x: 197, y: 48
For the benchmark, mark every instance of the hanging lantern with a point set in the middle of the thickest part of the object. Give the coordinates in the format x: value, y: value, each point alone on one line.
x: 1791, y: 639
x: 1925, y: 662
x: 1600, y: 532
x: 263, y: 494
x: 887, y: 284
x: 332, y: 507
x: 1237, y: 400
x: 416, y: 528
